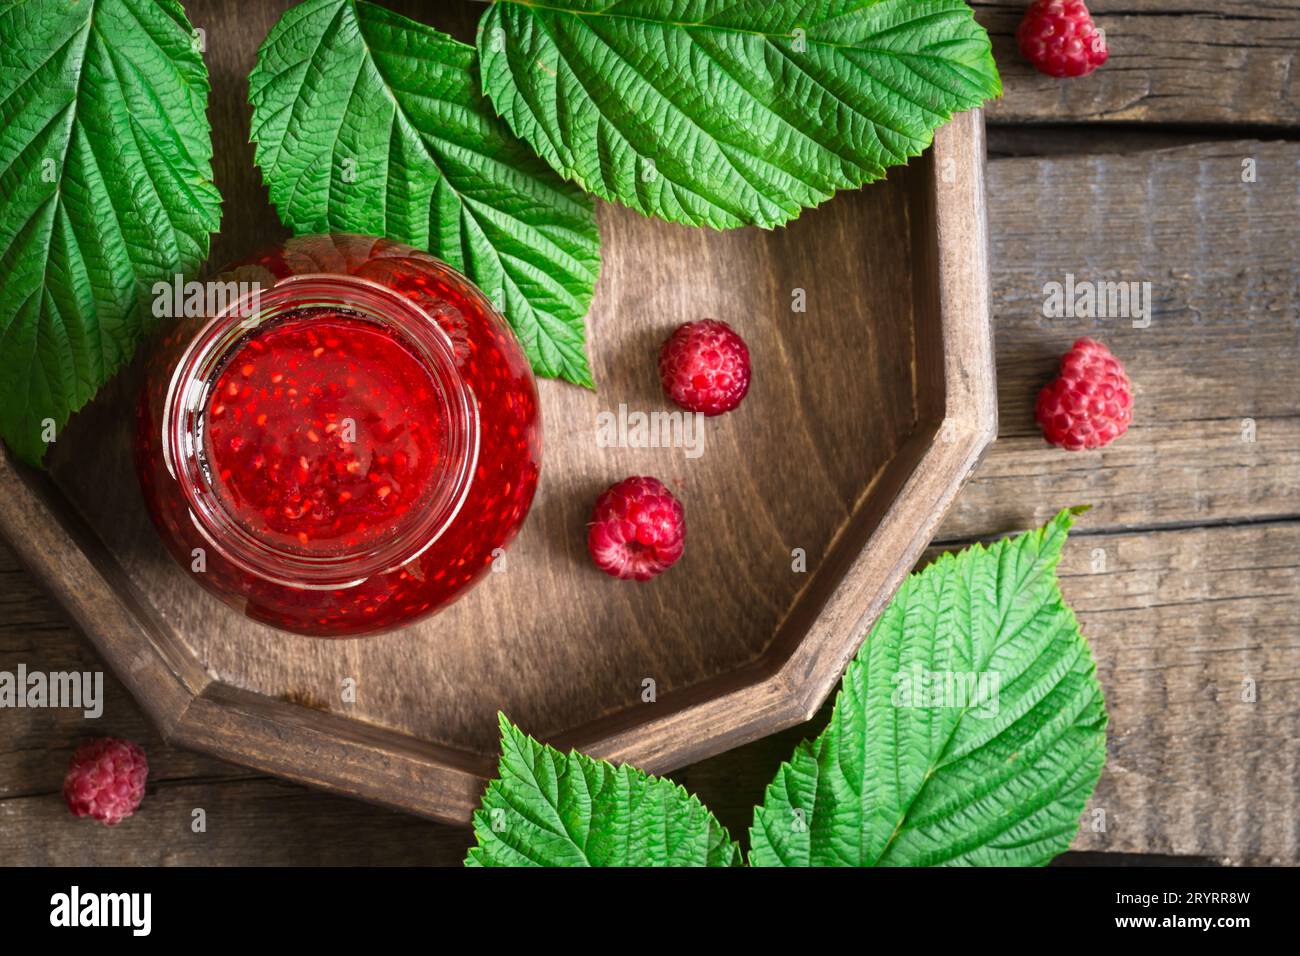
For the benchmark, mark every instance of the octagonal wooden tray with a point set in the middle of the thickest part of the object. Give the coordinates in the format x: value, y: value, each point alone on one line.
x: 868, y: 411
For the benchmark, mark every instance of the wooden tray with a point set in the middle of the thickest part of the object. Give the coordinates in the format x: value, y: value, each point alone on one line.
x: 867, y: 413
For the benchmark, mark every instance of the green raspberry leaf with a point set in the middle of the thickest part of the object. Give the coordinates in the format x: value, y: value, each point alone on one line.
x: 105, y: 188
x: 913, y: 771
x: 547, y: 808
x: 368, y: 122
x: 731, y: 112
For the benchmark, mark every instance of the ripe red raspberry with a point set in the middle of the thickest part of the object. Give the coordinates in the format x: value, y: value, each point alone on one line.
x: 1090, y: 403
x: 106, y: 780
x: 704, y: 367
x: 1058, y: 37
x: 637, y: 529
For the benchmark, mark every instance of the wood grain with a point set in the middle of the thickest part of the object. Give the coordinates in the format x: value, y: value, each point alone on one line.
x: 1171, y: 61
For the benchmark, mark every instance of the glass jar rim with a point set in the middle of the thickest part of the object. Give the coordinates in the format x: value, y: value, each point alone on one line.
x: 184, y: 411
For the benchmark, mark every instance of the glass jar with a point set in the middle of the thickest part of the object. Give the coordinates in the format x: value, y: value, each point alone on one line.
x: 345, y: 443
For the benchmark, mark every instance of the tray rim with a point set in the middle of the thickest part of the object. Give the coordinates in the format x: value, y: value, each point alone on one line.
x: 191, y: 709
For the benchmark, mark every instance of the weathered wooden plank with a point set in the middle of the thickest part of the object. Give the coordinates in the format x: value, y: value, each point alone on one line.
x: 1215, y: 437
x: 249, y: 822
x: 1219, y: 253
x: 1194, y: 472
x: 1184, y: 624
x: 1171, y: 61
x: 1194, y: 635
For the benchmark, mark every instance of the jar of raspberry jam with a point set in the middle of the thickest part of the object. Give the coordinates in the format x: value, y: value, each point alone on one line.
x: 347, y: 444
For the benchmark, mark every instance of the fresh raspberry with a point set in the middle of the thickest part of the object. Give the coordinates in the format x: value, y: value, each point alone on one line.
x: 1058, y: 37
x: 1090, y: 403
x: 106, y: 780
x: 637, y: 529
x: 704, y: 367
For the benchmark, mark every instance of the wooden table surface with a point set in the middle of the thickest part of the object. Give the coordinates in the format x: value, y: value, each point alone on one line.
x: 1185, y: 575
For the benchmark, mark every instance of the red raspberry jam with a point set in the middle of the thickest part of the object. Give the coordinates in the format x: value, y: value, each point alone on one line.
x: 323, y: 432
x: 345, y: 449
